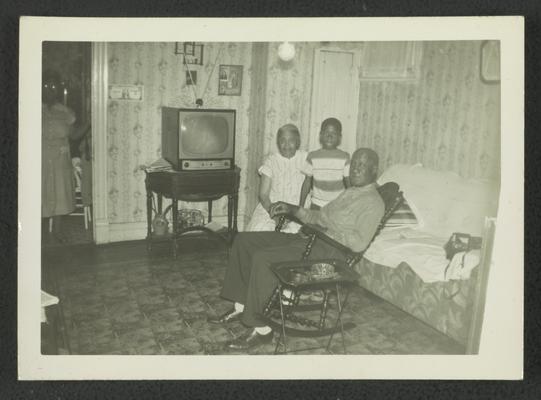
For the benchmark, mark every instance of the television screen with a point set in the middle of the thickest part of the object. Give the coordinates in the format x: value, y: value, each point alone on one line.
x: 204, y: 135
x: 198, y: 139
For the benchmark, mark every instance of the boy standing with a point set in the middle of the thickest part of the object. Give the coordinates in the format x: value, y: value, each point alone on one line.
x: 326, y: 169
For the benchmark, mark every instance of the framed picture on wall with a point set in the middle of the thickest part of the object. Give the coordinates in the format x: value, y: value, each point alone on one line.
x: 179, y: 48
x: 191, y: 51
x: 121, y: 92
x: 230, y: 80
x: 490, y: 61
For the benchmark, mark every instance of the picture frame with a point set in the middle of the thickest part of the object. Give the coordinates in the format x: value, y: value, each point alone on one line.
x: 490, y: 61
x: 230, y: 80
x: 179, y: 48
x: 191, y: 51
x: 404, y: 65
x: 125, y: 92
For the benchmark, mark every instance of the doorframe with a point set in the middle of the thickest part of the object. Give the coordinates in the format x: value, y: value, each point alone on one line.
x: 98, y: 117
x: 314, y: 123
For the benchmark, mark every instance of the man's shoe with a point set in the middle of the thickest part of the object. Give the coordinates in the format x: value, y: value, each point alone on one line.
x: 229, y: 316
x: 251, y: 339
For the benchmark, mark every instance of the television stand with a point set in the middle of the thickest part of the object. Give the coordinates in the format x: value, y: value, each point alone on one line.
x: 192, y: 186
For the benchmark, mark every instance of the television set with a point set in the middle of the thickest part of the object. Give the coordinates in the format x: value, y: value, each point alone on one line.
x: 198, y: 138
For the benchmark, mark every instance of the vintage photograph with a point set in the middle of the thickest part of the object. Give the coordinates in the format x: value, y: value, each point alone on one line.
x: 301, y: 197
x: 230, y: 80
x: 192, y: 52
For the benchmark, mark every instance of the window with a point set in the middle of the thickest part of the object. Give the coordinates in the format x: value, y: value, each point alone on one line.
x: 391, y: 60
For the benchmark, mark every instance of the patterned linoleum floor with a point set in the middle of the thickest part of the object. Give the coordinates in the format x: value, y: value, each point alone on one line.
x: 160, y: 306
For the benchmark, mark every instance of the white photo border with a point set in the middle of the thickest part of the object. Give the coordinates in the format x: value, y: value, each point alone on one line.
x: 501, y: 350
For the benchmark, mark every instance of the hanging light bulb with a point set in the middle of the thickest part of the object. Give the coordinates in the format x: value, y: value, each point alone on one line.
x: 286, y: 51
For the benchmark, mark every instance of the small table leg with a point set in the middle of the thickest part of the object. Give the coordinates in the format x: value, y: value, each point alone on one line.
x: 230, y: 208
x: 282, y: 338
x: 341, y: 307
x: 149, y: 215
x: 174, y: 209
x: 235, y: 211
x: 229, y: 212
x: 160, y: 203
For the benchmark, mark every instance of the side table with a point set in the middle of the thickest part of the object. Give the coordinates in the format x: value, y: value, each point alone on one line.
x: 192, y: 186
x: 295, y: 276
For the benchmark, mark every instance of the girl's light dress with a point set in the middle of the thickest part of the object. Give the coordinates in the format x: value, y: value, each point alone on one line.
x: 286, y: 183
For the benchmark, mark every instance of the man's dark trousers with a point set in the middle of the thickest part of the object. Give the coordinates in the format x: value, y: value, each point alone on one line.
x: 249, y: 279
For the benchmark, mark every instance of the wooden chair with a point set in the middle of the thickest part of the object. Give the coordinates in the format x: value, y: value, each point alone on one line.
x: 288, y: 306
x: 392, y: 198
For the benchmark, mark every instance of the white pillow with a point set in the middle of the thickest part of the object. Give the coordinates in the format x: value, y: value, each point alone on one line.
x: 396, y: 173
x: 442, y: 201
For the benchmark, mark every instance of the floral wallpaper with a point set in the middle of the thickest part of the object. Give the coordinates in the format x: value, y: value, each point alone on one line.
x: 289, y: 87
x: 134, y: 128
x: 447, y: 120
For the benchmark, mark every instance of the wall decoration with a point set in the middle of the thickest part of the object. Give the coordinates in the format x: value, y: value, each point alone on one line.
x: 448, y: 120
x: 391, y: 60
x: 134, y: 128
x: 192, y: 53
x: 490, y: 61
x: 230, y: 80
x: 179, y: 48
x: 126, y: 92
x: 191, y: 78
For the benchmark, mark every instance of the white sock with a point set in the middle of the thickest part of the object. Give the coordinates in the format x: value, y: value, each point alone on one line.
x: 287, y: 296
x: 263, y: 330
x: 239, y: 307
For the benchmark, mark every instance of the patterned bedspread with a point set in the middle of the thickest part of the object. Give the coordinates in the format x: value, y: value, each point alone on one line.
x: 446, y: 306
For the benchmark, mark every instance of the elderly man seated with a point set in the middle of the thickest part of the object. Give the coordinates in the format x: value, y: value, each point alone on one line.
x: 351, y: 219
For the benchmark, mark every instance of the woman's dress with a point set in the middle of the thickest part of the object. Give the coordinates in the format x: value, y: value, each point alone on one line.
x: 286, y: 183
x: 57, y: 188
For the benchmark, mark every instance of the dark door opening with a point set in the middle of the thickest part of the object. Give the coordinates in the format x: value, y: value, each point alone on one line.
x: 70, y: 62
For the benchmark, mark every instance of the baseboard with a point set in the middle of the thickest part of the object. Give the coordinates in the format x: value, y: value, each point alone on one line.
x: 127, y: 231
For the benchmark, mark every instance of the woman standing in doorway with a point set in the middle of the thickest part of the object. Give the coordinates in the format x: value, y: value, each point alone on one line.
x: 57, y: 188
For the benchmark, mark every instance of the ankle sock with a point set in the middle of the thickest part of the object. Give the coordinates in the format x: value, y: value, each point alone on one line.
x: 263, y: 330
x: 239, y: 307
x: 287, y: 296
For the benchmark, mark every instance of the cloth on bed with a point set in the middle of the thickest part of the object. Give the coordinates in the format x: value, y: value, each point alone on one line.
x: 442, y: 201
x: 423, y: 252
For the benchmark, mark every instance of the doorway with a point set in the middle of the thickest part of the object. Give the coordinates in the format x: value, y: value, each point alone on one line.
x: 335, y: 93
x: 71, y: 63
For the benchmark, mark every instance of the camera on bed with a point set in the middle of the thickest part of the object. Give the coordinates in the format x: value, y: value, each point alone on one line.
x: 459, y: 242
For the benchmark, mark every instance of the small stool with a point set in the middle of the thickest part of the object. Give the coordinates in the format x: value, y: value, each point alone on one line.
x: 296, y: 278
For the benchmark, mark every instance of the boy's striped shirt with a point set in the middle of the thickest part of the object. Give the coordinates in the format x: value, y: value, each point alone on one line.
x: 328, y: 168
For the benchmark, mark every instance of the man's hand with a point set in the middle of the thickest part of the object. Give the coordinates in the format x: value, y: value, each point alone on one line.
x: 282, y: 208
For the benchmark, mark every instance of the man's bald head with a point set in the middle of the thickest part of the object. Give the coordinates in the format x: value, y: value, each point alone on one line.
x: 364, y: 167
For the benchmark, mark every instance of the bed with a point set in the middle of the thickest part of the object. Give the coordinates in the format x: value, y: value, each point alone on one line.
x: 406, y: 264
